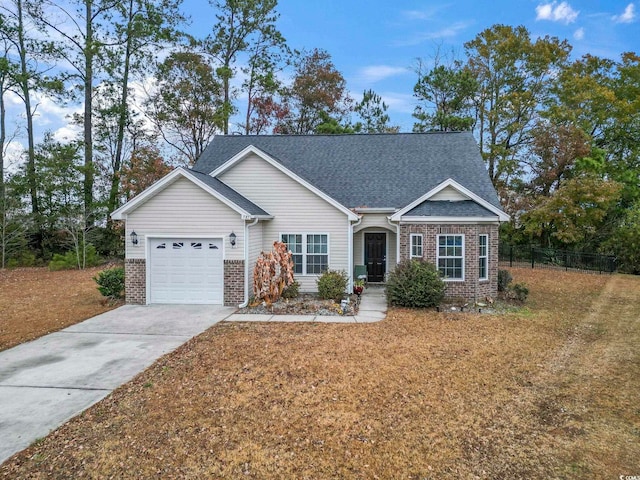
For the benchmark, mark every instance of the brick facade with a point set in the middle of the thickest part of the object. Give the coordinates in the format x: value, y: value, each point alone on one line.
x: 233, y: 282
x: 135, y: 284
x: 471, y: 288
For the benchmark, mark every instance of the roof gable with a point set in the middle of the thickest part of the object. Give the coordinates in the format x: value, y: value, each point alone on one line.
x: 430, y: 202
x: 213, y: 186
x: 252, y: 150
x: 373, y: 171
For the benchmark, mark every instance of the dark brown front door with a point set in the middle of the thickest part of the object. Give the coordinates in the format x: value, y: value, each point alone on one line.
x: 375, y: 256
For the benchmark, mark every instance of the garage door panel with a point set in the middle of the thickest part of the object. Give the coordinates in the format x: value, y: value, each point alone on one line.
x: 184, y: 270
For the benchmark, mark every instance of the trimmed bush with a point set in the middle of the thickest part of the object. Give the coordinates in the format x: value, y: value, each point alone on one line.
x: 519, y: 292
x: 332, y: 285
x: 111, y: 283
x: 415, y: 284
x: 504, y: 280
x: 292, y: 291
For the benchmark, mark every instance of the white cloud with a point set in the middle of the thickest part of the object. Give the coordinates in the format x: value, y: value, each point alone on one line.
x: 446, y: 32
x: 67, y: 133
x: 375, y: 73
x: 556, y: 12
x: 13, y: 151
x: 399, y: 102
x: 628, y: 16
x: 424, y: 14
x: 579, y: 34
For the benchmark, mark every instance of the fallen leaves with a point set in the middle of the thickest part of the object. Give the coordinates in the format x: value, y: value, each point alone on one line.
x: 415, y: 396
x: 35, y: 301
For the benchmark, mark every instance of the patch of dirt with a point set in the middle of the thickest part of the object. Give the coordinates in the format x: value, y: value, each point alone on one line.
x: 36, y: 301
x: 306, y: 304
x: 415, y: 396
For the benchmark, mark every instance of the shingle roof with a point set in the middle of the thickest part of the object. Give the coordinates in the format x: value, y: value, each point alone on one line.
x: 228, y: 192
x: 375, y: 171
x: 443, y: 208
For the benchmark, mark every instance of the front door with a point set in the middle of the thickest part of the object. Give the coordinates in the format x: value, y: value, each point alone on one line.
x: 375, y: 256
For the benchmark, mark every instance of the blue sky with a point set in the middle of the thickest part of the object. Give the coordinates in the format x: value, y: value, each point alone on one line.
x: 375, y: 43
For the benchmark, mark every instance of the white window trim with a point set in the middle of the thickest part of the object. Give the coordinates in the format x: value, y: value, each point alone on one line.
x: 304, y: 250
x: 485, y: 256
x: 411, y: 245
x: 463, y: 256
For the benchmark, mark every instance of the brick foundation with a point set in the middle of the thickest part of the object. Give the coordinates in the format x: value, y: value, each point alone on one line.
x: 471, y: 288
x: 135, y: 283
x: 233, y: 282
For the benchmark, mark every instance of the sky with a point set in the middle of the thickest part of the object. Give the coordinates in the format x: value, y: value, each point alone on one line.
x: 376, y: 44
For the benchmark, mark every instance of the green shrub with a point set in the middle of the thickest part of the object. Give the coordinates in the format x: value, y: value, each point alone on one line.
x: 69, y: 260
x: 111, y: 283
x: 23, y: 259
x: 292, y: 291
x: 504, y: 279
x: 415, y: 284
x: 519, y: 292
x: 332, y: 285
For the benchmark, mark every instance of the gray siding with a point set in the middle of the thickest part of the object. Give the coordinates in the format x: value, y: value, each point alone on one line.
x: 184, y: 209
x: 295, y: 209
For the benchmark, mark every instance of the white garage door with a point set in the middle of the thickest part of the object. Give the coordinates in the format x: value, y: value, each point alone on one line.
x: 184, y: 270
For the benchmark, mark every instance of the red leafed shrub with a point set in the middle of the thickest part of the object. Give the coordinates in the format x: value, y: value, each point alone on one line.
x: 272, y: 274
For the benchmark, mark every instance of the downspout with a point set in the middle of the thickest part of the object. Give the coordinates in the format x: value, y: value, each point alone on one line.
x: 350, y: 254
x: 246, y: 262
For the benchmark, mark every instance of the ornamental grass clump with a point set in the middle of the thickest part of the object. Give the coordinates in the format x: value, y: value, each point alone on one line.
x: 415, y: 284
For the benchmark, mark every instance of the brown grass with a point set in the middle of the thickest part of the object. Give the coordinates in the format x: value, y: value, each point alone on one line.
x: 549, y: 391
x: 35, y: 301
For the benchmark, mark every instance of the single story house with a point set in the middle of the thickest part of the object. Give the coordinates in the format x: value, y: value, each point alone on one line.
x: 338, y: 201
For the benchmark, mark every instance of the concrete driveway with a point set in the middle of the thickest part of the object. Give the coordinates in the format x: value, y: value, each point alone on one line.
x: 46, y: 382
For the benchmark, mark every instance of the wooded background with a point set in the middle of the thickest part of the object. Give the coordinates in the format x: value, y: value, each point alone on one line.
x: 560, y: 136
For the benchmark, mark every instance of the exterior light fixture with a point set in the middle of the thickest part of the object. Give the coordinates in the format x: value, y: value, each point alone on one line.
x: 232, y: 239
x: 134, y: 238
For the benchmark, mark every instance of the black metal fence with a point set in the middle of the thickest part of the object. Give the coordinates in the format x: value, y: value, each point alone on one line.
x: 538, y: 257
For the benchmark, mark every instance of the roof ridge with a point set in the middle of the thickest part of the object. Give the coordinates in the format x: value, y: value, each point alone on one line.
x: 334, y: 135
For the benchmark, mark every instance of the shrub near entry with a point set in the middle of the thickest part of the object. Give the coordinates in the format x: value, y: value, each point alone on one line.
x: 332, y: 285
x: 415, y: 284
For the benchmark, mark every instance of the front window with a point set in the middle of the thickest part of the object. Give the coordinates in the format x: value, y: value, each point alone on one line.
x: 483, y: 257
x: 294, y: 244
x: 310, y: 252
x: 451, y: 256
x: 416, y: 245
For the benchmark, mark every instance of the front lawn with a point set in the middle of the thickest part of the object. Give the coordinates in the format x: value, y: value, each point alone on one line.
x: 35, y: 301
x: 548, y: 391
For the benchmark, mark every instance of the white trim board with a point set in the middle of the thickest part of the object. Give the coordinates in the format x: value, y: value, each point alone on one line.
x: 501, y: 216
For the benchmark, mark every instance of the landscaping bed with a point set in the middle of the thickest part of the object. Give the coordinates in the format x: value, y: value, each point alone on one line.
x: 306, y: 304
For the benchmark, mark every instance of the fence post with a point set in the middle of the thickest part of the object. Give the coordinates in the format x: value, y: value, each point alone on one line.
x: 533, y: 259
x: 511, y: 255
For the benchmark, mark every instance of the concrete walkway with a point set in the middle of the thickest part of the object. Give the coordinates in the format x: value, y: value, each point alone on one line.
x: 46, y: 382
x: 373, y: 308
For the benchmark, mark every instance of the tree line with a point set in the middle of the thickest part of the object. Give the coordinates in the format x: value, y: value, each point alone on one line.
x: 559, y: 137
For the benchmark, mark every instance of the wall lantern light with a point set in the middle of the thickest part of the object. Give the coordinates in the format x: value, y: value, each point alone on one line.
x: 232, y: 239
x: 134, y: 238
